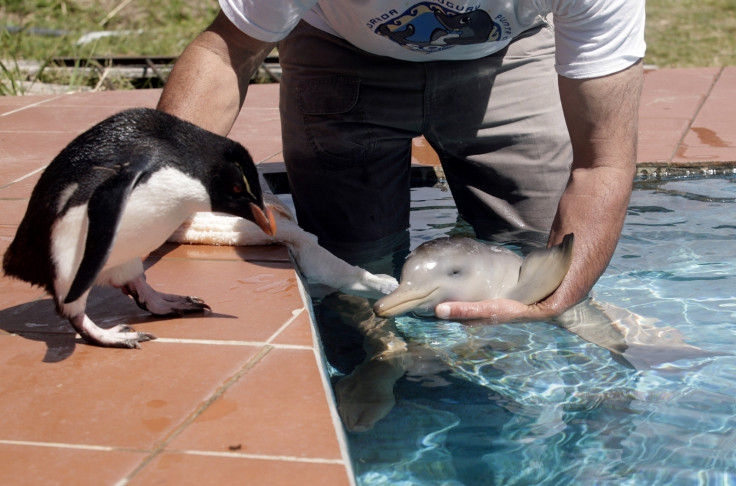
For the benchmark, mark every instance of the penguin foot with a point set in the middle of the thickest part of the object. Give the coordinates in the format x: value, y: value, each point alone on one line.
x: 120, y: 336
x: 161, y: 304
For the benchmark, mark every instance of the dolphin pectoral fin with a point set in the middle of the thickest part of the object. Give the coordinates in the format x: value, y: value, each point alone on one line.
x: 403, y: 300
x: 542, y: 272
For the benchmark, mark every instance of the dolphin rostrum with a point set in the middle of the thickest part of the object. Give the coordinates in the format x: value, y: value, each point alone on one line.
x: 463, y: 269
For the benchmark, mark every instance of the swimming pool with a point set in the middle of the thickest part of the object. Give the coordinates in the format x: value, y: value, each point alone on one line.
x: 535, y: 404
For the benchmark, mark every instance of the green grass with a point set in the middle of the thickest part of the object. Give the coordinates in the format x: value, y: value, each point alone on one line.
x: 691, y: 33
x: 680, y: 33
x: 168, y: 26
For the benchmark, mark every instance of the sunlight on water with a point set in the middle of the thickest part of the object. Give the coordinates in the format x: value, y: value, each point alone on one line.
x: 535, y: 404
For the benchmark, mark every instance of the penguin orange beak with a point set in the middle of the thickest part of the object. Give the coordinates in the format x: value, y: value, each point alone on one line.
x: 264, y: 219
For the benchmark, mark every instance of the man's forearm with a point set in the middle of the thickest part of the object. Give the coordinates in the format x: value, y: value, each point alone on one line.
x: 593, y: 207
x: 602, y: 118
x: 210, y: 79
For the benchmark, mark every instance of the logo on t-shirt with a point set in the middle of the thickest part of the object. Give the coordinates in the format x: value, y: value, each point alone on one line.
x: 431, y: 27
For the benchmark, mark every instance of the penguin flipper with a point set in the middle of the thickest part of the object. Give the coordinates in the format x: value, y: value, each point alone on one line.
x: 104, y: 213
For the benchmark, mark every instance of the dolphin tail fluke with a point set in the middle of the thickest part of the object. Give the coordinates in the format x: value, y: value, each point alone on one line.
x: 543, y: 271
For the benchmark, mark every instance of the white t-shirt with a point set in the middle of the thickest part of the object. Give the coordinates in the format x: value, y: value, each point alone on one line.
x: 592, y: 37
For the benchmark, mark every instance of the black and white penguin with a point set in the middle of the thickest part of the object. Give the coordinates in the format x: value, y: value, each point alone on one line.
x: 114, y: 194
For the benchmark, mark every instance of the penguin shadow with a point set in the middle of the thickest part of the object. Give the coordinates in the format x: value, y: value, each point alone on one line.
x: 37, y: 319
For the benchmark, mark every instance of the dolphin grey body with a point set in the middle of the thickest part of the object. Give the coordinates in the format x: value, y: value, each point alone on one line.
x: 463, y: 269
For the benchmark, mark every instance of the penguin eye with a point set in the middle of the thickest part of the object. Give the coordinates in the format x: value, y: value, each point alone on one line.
x: 465, y: 20
x: 237, y: 189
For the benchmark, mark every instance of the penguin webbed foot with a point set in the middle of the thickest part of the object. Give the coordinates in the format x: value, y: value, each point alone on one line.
x: 160, y: 304
x: 120, y: 336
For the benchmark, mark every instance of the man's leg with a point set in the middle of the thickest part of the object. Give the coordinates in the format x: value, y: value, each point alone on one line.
x: 348, y: 119
x: 498, y: 127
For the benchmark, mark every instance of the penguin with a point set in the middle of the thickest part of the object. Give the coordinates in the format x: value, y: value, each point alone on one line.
x: 116, y: 193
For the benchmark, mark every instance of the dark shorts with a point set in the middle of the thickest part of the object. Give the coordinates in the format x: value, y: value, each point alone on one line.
x: 348, y: 119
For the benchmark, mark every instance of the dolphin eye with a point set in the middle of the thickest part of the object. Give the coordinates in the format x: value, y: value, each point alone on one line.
x: 455, y: 271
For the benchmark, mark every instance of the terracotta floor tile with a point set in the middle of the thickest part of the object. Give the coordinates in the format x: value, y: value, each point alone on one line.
x: 260, y: 148
x: 56, y: 390
x: 717, y: 134
x: 12, y: 211
x: 7, y: 233
x: 10, y: 104
x: 713, y: 140
x: 720, y: 106
x: 187, y: 469
x: 20, y: 188
x: 32, y: 147
x: 297, y: 333
x: 684, y: 80
x: 250, y: 301
x: 262, y: 96
x: 55, y: 119
x: 14, y: 173
x: 16, y: 298
x: 258, y: 122
x: 34, y: 465
x: 277, y: 408
x: 118, y: 99
x: 659, y: 138
x: 35, y: 312
x: 675, y: 93
x: 654, y: 153
x: 726, y: 83
x: 702, y: 155
x: 423, y: 153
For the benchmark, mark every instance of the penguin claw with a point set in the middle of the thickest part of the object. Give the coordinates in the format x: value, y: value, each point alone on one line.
x: 161, y: 304
x: 120, y: 336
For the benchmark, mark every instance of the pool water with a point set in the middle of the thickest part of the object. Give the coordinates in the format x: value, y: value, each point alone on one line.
x: 535, y: 404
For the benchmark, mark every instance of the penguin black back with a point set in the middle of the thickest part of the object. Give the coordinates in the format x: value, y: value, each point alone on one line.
x: 149, y: 138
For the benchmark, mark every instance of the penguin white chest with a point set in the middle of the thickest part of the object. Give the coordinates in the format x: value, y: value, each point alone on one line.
x: 154, y: 210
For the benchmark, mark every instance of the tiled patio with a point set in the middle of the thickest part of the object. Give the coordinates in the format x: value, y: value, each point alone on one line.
x: 237, y: 396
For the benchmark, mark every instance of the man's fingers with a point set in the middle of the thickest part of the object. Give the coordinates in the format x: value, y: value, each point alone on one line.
x: 494, y: 311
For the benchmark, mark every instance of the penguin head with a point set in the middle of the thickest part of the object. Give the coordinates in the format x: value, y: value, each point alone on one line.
x: 235, y: 189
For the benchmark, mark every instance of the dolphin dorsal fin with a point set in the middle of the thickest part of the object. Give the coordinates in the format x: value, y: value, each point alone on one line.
x: 542, y: 272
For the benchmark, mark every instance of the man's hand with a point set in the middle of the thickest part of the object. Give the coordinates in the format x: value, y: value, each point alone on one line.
x: 496, y: 311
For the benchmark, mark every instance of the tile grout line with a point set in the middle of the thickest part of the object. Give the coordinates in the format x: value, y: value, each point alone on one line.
x: 62, y: 445
x: 263, y: 457
x: 215, y: 396
x: 265, y: 160
x: 30, y: 174
x: 32, y: 105
x: 89, y: 447
x: 695, y: 115
x: 294, y: 314
x: 218, y: 342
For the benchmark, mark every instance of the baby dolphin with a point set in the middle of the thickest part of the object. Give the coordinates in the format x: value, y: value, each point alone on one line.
x: 114, y: 194
x: 463, y: 269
